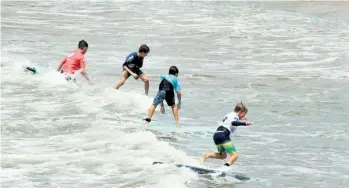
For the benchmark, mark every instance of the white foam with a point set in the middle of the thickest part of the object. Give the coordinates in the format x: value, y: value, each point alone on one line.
x: 91, y: 134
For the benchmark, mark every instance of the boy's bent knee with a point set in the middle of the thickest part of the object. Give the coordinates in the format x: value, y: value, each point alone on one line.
x: 223, y: 155
x: 146, y: 80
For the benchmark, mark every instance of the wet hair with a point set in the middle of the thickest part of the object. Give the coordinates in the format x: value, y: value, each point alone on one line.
x: 82, y: 44
x: 144, y: 48
x: 173, y: 70
x: 240, y: 107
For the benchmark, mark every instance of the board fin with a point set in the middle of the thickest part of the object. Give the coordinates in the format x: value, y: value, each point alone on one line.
x: 32, y: 69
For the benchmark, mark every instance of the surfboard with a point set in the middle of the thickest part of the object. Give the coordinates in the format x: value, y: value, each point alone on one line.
x: 200, y: 170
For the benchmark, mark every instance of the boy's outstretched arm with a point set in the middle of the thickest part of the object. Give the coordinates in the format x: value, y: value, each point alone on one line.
x: 83, y: 72
x: 85, y: 75
x: 61, y: 64
x: 240, y: 123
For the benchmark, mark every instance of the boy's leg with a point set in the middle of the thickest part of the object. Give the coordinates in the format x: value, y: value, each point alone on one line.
x: 157, y: 100
x: 233, y: 158
x: 175, y: 114
x: 123, y: 79
x: 223, y: 144
x: 170, y: 100
x: 230, y: 148
x: 145, y: 80
x: 150, y: 113
x: 212, y: 155
x: 220, y: 155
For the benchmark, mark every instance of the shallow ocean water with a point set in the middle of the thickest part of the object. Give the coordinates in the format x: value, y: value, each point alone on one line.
x: 288, y: 61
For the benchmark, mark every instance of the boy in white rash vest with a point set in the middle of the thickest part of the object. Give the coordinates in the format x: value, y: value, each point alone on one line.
x: 222, y: 137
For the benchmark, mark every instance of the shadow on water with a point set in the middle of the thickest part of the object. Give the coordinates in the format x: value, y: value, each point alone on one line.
x: 165, y: 137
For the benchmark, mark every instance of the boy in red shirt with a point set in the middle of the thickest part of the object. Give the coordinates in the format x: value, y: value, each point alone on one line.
x: 75, y: 61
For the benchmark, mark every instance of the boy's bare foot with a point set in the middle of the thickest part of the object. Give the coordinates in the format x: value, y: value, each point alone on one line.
x: 147, y: 121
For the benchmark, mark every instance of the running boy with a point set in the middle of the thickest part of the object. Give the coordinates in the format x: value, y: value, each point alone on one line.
x: 222, y: 137
x: 132, y: 66
x: 74, y: 62
x: 168, y: 83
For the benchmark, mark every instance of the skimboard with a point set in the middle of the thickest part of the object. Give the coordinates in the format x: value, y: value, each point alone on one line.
x: 201, y: 170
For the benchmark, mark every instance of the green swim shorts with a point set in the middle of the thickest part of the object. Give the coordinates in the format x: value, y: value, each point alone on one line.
x: 226, y: 147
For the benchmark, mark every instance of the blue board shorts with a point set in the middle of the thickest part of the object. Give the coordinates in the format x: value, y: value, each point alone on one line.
x: 162, y: 95
x: 222, y: 141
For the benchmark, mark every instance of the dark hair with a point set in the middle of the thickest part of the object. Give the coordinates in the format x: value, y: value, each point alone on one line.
x: 240, y: 107
x: 144, y: 48
x: 82, y: 44
x: 173, y: 70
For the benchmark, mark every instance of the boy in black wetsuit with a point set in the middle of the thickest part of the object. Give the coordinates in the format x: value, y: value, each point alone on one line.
x: 132, y: 66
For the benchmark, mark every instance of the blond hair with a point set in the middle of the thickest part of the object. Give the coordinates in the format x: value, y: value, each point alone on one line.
x: 240, y: 107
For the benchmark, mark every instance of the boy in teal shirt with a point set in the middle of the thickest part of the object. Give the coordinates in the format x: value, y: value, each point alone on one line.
x: 169, y: 83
